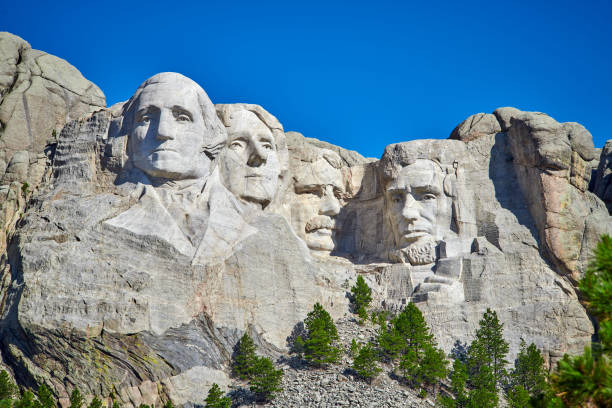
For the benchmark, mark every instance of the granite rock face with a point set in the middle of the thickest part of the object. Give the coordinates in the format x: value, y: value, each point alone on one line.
x: 39, y: 94
x: 169, y: 226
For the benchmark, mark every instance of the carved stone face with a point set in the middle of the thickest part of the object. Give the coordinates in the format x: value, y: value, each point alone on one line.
x: 249, y: 166
x: 318, y: 188
x: 417, y: 207
x: 167, y: 138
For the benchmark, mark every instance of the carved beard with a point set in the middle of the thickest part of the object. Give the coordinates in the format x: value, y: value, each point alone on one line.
x: 416, y: 254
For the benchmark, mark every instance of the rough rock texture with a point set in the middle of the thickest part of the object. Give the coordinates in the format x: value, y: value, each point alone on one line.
x: 602, y: 182
x: 39, y: 94
x: 169, y: 226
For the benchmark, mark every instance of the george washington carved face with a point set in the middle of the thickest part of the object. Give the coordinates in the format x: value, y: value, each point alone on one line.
x: 173, y: 123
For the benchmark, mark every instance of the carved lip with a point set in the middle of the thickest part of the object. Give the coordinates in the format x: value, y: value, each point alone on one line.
x: 321, y: 231
x: 164, y: 149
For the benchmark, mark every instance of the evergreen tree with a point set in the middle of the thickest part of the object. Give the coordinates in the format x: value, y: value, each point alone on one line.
x: 266, y: 380
x: 244, y: 357
x: 364, y: 363
x: 518, y: 397
x: 596, y: 286
x: 354, y: 350
x: 361, y: 296
x: 7, y: 387
x: 45, y: 397
x: 215, y: 398
x: 483, y: 393
x: 529, y: 372
x: 319, y: 346
x: 95, y: 403
x: 421, y: 361
x: 6, y: 403
x: 586, y: 380
x: 26, y: 400
x: 76, y: 399
x: 489, y: 349
x: 458, y: 381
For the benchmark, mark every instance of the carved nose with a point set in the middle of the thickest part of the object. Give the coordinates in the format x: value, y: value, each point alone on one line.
x: 329, y: 204
x: 410, y: 212
x: 165, y: 128
x: 257, y: 156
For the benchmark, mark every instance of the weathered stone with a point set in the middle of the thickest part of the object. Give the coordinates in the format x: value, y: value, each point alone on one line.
x: 168, y: 227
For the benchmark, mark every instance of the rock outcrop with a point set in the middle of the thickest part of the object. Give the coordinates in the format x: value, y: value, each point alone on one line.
x: 170, y: 226
x: 39, y: 94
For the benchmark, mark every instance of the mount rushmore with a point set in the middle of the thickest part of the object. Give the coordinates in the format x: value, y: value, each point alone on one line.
x: 141, y: 240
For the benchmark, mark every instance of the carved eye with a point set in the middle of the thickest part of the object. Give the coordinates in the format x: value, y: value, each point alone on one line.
x: 236, y: 144
x: 397, y: 198
x: 267, y: 146
x: 183, y: 118
x: 429, y: 196
x: 144, y: 118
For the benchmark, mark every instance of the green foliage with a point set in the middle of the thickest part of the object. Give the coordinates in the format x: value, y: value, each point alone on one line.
x: 586, y: 380
x: 361, y: 296
x: 45, y: 397
x: 409, y: 338
x: 96, y: 403
x: 26, y: 400
x: 458, y: 379
x: 116, y: 404
x: 364, y: 363
x: 76, y: 399
x: 483, y: 392
x: 529, y: 373
x: 244, y: 358
x: 144, y: 406
x: 169, y: 404
x: 6, y: 403
x: 24, y: 189
x: 319, y: 346
x: 354, y: 350
x: 266, y: 380
x: 215, y: 398
x: 518, y: 397
x: 7, y: 387
x: 489, y: 349
x: 582, y: 380
x: 596, y: 286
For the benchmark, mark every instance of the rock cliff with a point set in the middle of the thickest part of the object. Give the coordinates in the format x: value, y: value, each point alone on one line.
x: 163, y: 228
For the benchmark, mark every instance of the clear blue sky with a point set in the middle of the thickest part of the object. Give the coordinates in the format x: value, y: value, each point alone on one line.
x: 357, y: 74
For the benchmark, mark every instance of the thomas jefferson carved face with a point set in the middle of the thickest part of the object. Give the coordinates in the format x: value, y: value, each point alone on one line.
x: 249, y: 166
x: 168, y: 134
x: 417, y: 206
x: 319, y: 189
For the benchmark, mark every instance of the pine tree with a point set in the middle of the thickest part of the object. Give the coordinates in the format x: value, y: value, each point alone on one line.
x: 244, y: 358
x: 458, y: 381
x: 364, y: 363
x: 26, y: 400
x: 76, y: 399
x: 266, y: 380
x: 45, y: 397
x: 319, y: 346
x: 7, y: 387
x: 215, y: 398
x: 586, y: 380
x: 95, y: 403
x: 361, y: 296
x: 596, y: 287
x: 518, y: 397
x: 489, y: 348
x: 529, y: 371
x: 483, y: 393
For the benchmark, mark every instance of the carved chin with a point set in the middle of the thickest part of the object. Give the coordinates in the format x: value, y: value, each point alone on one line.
x: 320, y: 240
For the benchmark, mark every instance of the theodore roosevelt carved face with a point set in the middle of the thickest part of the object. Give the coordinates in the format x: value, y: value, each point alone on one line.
x: 319, y: 192
x: 249, y: 166
x: 419, y: 211
x: 173, y: 125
